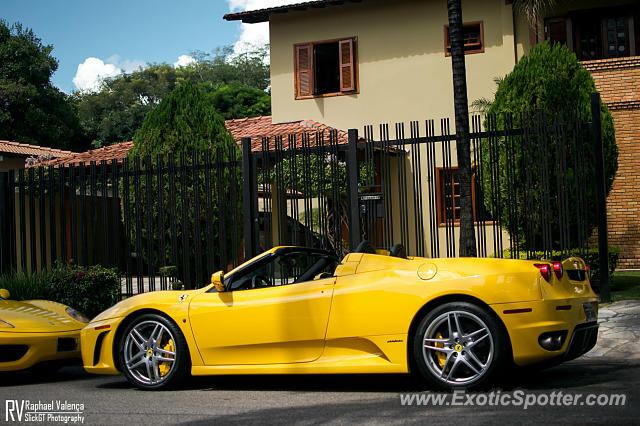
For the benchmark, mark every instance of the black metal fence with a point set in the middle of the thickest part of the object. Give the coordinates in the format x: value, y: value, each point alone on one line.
x: 533, y: 191
x: 137, y: 215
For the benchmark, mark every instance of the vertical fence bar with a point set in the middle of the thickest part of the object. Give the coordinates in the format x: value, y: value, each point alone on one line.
x: 417, y: 188
x: 197, y: 217
x: 248, y: 194
x: 42, y: 228
x: 11, y: 218
x: 352, y: 190
x: 601, y: 195
x: 32, y: 221
x: 126, y: 214
x: 208, y: 191
x: 5, y: 241
x: 149, y: 228
x: 84, y: 244
x: 23, y: 219
x: 222, y: 219
x: 64, y: 255
x: 173, y: 225
x: 52, y: 214
x: 184, y: 218
x: 138, y: 205
x: 73, y: 222
x: 162, y: 230
x: 105, y: 234
x: 115, y: 215
x: 94, y: 214
x: 233, y: 171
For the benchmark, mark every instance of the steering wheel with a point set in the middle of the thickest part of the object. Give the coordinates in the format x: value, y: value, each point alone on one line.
x: 257, y: 280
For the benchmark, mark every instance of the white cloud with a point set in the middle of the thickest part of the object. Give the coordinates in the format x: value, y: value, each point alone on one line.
x: 253, y: 35
x: 91, y: 73
x: 183, y: 61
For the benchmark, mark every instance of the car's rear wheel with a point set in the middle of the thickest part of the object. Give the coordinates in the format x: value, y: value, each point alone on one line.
x: 460, y: 345
x: 153, y: 353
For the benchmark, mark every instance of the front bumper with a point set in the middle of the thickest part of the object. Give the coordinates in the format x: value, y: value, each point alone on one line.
x: 23, y: 350
x: 98, y: 339
x: 526, y: 321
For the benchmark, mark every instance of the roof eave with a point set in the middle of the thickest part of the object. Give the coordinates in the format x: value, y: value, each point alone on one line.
x: 262, y: 15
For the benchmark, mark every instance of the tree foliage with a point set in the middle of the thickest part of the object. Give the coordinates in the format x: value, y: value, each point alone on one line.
x: 185, y: 122
x: 236, y: 83
x: 32, y: 110
x: 552, y: 84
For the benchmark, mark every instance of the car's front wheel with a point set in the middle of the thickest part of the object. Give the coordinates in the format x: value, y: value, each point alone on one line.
x: 153, y: 353
x: 460, y: 345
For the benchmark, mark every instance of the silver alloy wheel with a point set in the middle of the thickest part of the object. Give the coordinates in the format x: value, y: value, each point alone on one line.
x: 466, y: 344
x: 146, y: 356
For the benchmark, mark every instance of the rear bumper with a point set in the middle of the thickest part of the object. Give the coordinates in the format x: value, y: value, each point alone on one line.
x: 23, y: 350
x: 526, y: 321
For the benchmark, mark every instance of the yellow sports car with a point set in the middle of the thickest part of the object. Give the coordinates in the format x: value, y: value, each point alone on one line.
x: 36, y: 331
x: 292, y: 310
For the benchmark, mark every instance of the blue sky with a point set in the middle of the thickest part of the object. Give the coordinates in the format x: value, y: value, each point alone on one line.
x: 118, y: 35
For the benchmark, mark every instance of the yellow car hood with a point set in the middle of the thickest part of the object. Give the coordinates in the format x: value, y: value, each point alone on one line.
x: 36, y: 316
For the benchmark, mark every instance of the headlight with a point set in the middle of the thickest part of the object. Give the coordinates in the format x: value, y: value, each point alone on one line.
x: 76, y: 315
x: 4, y: 324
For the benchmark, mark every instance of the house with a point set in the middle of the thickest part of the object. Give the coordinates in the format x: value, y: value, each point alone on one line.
x: 14, y: 155
x: 353, y: 63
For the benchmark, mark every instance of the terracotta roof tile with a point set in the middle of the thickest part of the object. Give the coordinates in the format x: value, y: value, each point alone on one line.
x: 258, y: 127
x: 255, y: 127
x: 9, y: 147
x: 111, y: 152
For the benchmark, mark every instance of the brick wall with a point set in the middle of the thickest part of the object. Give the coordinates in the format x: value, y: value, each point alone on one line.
x: 618, y: 81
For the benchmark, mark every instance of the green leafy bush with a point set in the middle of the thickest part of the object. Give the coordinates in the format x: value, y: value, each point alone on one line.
x: 547, y: 81
x: 89, y: 290
x: 591, y: 257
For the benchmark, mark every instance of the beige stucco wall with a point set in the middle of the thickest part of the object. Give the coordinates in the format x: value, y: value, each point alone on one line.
x: 403, y: 72
x: 11, y: 162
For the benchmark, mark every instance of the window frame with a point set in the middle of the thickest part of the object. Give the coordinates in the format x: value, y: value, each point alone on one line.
x: 447, y: 43
x: 261, y: 261
x: 440, y: 194
x: 296, y: 74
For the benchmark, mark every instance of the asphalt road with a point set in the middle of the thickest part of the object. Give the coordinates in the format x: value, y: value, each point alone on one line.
x: 327, y: 399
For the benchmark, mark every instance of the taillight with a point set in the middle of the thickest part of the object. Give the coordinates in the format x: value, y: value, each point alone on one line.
x: 557, y: 269
x: 586, y: 267
x: 545, y: 270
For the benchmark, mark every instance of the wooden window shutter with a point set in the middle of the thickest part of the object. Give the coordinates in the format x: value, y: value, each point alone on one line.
x: 347, y: 75
x: 304, y: 70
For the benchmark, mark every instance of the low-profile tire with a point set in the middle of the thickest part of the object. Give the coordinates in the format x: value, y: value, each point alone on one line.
x: 460, y: 345
x: 153, y: 353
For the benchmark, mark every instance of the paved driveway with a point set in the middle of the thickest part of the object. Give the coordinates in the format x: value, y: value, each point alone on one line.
x: 361, y: 399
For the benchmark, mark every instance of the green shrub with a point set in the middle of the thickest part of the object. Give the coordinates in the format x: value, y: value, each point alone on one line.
x: 547, y: 81
x: 89, y: 290
x: 26, y: 285
x: 591, y: 257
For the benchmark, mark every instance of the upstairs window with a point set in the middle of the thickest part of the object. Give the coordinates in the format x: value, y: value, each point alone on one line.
x: 473, y: 34
x: 598, y: 33
x: 325, y: 68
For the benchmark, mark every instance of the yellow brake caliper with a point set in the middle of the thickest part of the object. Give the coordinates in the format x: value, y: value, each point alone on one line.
x: 165, y: 366
x: 441, y: 356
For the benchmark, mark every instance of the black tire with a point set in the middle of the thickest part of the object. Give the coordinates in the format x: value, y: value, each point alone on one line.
x: 465, y: 360
x: 143, y: 355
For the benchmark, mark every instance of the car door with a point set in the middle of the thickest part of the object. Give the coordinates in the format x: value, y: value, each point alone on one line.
x: 272, y: 313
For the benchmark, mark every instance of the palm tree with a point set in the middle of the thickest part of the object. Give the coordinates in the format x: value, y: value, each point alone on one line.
x: 532, y: 9
x: 456, y: 39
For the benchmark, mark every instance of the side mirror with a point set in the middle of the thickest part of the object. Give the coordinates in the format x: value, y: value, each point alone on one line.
x: 217, y: 279
x: 4, y: 294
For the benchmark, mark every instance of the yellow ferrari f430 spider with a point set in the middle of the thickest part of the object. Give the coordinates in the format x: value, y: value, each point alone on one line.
x: 36, y: 331
x: 459, y: 323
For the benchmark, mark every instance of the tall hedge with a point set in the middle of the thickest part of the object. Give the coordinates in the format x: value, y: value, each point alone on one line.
x: 549, y: 82
x: 185, y: 121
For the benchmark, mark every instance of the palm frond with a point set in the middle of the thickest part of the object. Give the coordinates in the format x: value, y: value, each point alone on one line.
x: 532, y: 9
